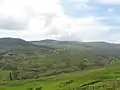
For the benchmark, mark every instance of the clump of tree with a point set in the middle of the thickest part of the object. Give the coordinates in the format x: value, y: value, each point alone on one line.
x: 14, y: 75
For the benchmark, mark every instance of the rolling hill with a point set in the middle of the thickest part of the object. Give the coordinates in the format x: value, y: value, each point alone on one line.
x: 91, y: 47
x: 36, y: 59
x: 16, y: 43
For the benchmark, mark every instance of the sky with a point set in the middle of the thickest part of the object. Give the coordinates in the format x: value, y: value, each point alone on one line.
x: 68, y: 20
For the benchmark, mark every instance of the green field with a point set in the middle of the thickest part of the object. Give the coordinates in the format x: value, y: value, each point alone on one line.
x: 106, y: 78
x: 58, y: 65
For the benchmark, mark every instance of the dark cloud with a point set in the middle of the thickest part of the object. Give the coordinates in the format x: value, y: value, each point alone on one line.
x: 12, y: 24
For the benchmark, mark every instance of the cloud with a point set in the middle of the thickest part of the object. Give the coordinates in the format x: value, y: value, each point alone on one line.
x: 68, y: 28
x: 115, y: 2
x: 11, y: 24
x: 110, y: 10
x: 112, y: 2
x: 42, y: 19
x: 17, y: 14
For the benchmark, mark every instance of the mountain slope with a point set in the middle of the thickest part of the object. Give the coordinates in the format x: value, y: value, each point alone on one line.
x: 15, y: 43
x: 50, y: 57
x: 19, y: 55
x: 90, y: 47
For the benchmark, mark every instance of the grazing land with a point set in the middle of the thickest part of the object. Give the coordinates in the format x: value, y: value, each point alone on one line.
x: 58, y: 65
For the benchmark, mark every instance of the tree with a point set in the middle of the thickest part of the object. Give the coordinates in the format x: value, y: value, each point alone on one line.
x: 10, y: 75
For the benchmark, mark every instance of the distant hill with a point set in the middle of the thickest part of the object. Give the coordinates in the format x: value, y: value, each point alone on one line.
x: 90, y: 47
x: 15, y: 43
x: 34, y: 59
x: 52, y: 42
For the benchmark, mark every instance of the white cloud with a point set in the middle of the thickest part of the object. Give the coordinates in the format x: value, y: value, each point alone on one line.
x: 46, y: 19
x: 108, y: 1
x: 110, y: 10
x: 25, y: 10
x: 81, y: 2
x: 67, y: 28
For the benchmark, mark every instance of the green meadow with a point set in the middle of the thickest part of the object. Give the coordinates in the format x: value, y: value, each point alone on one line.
x: 107, y: 78
x: 58, y: 65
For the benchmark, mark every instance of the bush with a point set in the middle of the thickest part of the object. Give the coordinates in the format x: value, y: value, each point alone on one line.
x: 40, y: 88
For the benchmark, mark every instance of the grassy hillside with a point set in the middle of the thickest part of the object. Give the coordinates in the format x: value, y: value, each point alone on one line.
x: 58, y: 65
x: 89, y: 47
x: 16, y: 43
x: 107, y: 78
x: 26, y: 60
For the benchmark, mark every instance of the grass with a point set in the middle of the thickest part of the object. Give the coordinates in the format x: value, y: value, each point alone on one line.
x: 4, y: 75
x: 107, y: 77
